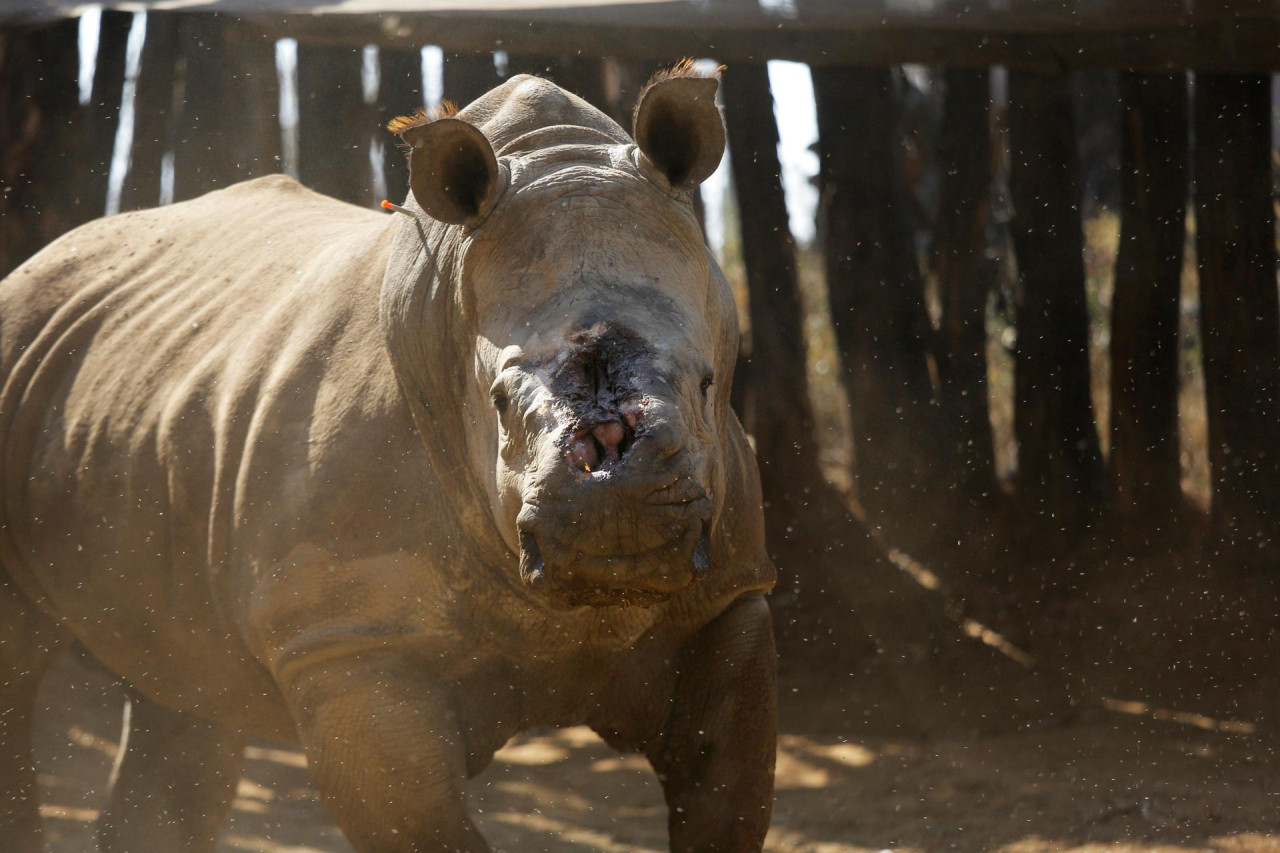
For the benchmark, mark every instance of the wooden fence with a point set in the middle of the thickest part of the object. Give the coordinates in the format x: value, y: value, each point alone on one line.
x: 207, y: 100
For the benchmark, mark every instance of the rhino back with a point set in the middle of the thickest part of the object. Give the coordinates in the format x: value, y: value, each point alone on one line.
x: 175, y: 385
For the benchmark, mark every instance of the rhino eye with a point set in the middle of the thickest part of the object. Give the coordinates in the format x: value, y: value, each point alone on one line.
x: 707, y: 382
x: 500, y: 403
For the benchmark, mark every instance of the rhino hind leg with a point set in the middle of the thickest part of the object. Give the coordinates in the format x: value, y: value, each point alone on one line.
x: 173, y: 783
x: 28, y: 642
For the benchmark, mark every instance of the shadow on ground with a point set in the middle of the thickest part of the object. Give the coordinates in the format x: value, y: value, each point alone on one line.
x: 1129, y: 778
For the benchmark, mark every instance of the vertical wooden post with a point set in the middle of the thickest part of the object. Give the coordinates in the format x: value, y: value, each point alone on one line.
x: 851, y: 588
x: 1240, y: 318
x: 102, y: 112
x: 964, y: 277
x: 253, y: 118
x: 780, y: 415
x: 227, y: 130
x: 400, y: 81
x: 155, y: 123
x: 200, y: 148
x: 1059, y: 460
x: 467, y: 76
x: 335, y: 125
x: 399, y: 92
x: 875, y: 291
x: 39, y: 108
x: 1145, y: 470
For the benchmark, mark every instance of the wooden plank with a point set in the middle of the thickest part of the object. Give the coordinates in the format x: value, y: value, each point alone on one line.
x: 39, y: 111
x: 1243, y: 44
x: 254, y: 134
x: 399, y: 93
x: 1062, y: 16
x: 964, y: 277
x: 200, y: 144
x: 874, y: 287
x: 335, y: 125
x: 779, y: 413
x: 155, y: 121
x: 1240, y: 317
x: 226, y: 125
x: 844, y: 587
x: 1144, y: 464
x: 102, y: 113
x: 1161, y: 35
x: 468, y: 75
x: 1060, y: 473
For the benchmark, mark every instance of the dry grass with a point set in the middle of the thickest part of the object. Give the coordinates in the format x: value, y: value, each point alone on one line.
x: 1193, y: 424
x: 831, y: 416
x: 1102, y: 239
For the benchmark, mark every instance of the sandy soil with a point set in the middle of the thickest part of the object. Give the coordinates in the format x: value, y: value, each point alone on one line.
x: 1126, y: 777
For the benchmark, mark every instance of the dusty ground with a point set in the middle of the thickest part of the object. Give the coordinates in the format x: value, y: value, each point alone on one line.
x: 1123, y: 778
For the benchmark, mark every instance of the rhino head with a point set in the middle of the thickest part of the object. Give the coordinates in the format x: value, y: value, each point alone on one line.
x: 564, y: 337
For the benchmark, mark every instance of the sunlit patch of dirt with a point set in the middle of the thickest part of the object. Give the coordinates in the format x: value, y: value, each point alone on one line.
x: 1131, y: 777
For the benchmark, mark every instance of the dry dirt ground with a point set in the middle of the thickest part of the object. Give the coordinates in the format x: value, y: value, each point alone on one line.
x: 1123, y: 778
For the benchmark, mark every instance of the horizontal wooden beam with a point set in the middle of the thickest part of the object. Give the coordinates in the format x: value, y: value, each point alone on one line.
x: 1237, y: 36
x: 1235, y: 45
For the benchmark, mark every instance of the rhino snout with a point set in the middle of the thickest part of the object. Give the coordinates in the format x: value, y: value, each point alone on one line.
x: 608, y: 540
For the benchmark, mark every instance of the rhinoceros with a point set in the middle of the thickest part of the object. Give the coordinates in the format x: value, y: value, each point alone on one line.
x: 396, y: 486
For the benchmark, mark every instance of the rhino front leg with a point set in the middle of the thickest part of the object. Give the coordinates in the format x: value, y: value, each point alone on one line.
x: 385, y: 752
x: 173, y: 784
x: 716, y: 755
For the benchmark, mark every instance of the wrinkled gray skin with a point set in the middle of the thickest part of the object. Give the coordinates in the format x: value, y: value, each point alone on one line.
x: 297, y: 470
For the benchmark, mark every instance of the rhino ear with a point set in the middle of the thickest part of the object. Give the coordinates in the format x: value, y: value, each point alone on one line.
x: 453, y: 172
x: 678, y: 127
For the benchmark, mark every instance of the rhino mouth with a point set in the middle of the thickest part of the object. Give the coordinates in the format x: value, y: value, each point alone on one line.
x: 576, y: 576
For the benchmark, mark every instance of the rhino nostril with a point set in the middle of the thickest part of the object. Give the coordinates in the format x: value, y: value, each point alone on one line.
x: 584, y: 451
x: 610, y: 435
x: 599, y: 446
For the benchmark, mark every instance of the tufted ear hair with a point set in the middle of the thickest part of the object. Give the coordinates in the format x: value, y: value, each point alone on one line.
x: 453, y: 172
x: 678, y: 126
